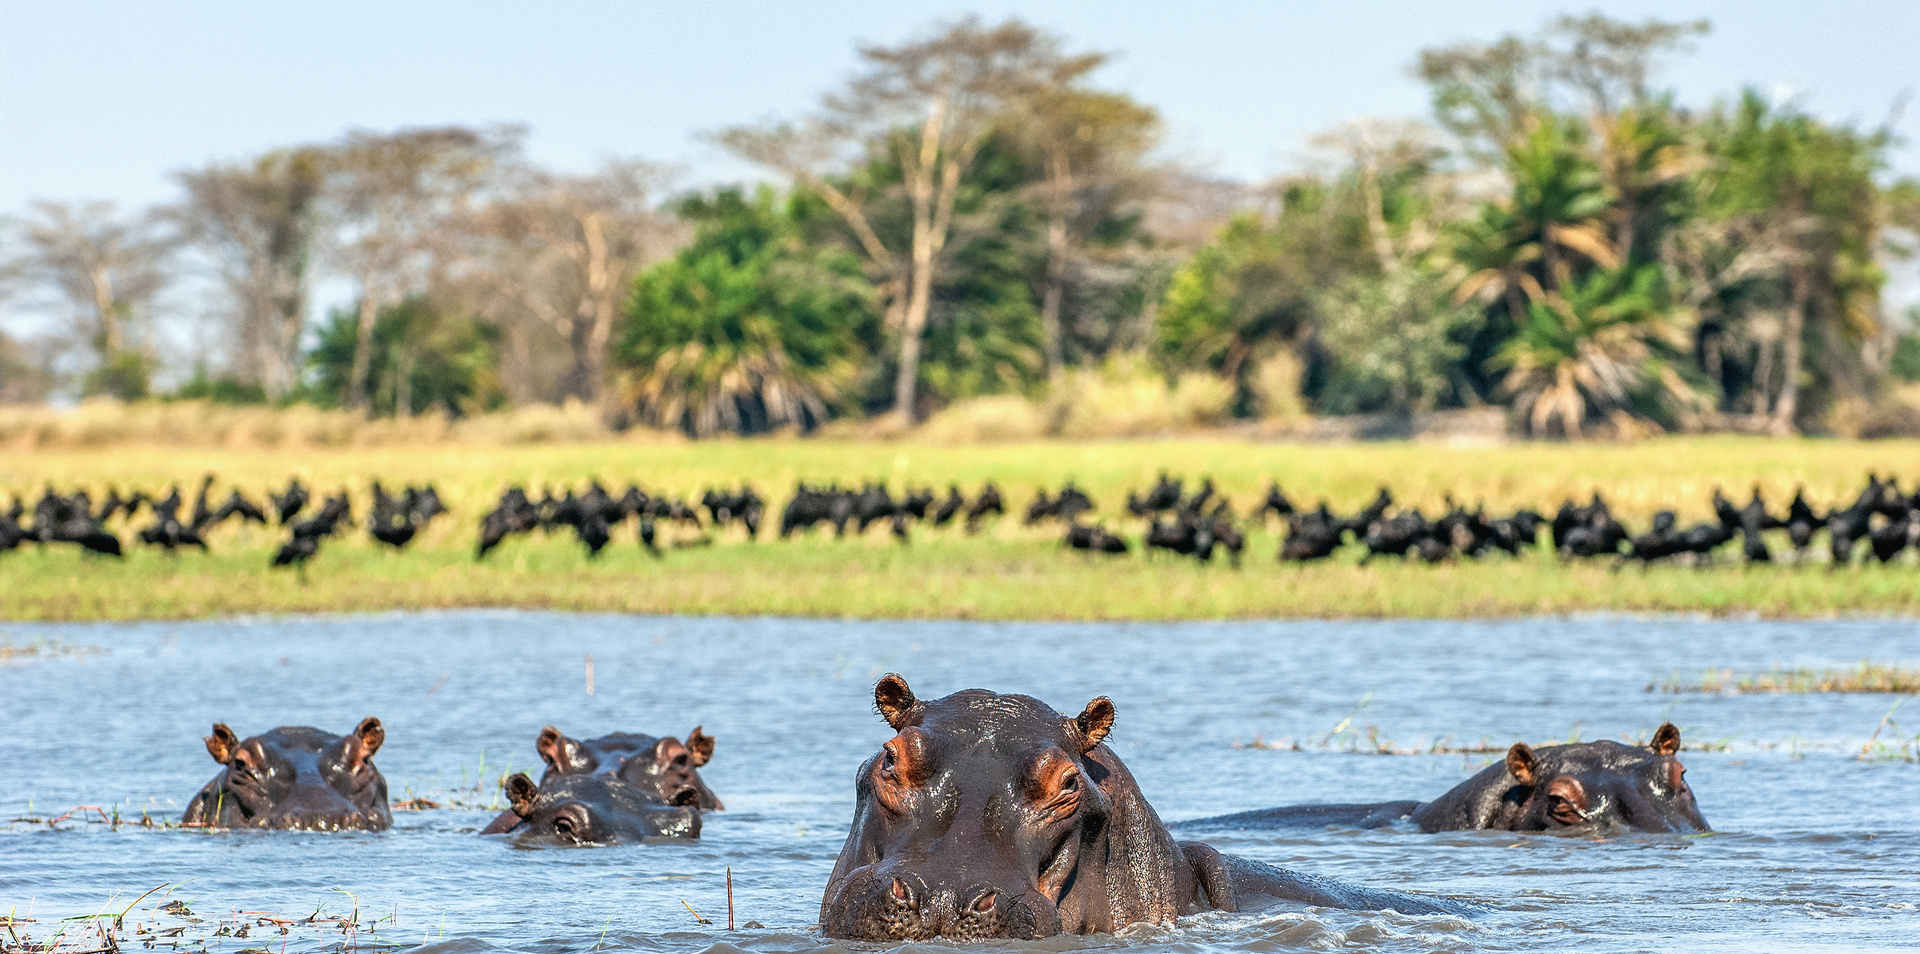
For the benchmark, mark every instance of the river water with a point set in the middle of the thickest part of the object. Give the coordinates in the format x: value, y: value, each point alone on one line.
x: 1815, y: 848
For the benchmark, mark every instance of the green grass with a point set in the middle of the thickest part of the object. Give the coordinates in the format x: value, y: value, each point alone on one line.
x: 1007, y: 572
x: 1867, y: 677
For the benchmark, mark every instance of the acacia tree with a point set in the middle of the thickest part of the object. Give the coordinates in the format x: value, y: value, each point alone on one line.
x: 950, y: 91
x: 396, y: 194
x: 564, y: 250
x: 261, y: 225
x: 108, y: 269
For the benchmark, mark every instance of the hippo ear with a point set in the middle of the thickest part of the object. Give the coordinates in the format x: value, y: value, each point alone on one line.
x: 548, y: 745
x: 222, y: 743
x: 1093, y: 723
x: 1520, y: 763
x: 699, y: 747
x: 1666, y: 739
x: 894, y: 700
x: 520, y: 792
x: 371, y: 733
x: 366, y: 739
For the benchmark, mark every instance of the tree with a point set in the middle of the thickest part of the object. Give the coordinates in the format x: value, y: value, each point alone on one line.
x: 1810, y: 188
x: 1606, y: 350
x: 1090, y: 144
x: 260, y: 223
x: 1396, y: 335
x: 424, y: 353
x: 564, y: 250
x: 950, y: 89
x: 749, y: 327
x: 395, y: 194
x: 108, y: 270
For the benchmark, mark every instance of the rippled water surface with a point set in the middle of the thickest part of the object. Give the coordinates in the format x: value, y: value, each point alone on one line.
x: 1815, y: 848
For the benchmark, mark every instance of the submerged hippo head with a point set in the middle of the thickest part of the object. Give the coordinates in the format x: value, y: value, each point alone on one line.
x: 580, y: 810
x: 666, y: 767
x: 995, y: 816
x: 295, y: 777
x: 1589, y: 788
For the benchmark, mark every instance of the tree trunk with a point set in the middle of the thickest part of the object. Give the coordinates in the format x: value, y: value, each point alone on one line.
x: 1788, y: 402
x: 1376, y: 216
x: 1060, y: 187
x: 285, y: 370
x: 517, y: 363
x: 403, y: 384
x: 600, y: 294
x: 920, y: 278
x: 362, y: 348
x: 112, y: 337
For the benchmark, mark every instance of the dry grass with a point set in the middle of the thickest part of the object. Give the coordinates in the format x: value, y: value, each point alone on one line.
x: 107, y: 423
x: 1007, y: 572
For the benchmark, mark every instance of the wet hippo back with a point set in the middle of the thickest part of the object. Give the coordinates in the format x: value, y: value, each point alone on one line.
x: 294, y: 777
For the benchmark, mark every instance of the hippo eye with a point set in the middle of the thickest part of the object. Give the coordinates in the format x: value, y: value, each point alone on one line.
x: 887, y: 761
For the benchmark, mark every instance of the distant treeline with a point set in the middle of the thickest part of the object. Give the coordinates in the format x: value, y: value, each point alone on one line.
x: 971, y: 215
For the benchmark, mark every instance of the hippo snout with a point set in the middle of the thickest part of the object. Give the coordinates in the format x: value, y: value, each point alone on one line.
x: 309, y: 820
x: 901, y: 905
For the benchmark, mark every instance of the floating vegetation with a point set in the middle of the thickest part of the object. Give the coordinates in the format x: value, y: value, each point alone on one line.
x: 1867, y: 677
x: 174, y: 925
x: 1899, y: 749
x: 45, y: 649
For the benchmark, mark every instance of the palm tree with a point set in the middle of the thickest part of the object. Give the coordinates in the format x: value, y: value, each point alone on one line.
x: 1524, y: 248
x: 1597, y: 352
x: 746, y: 329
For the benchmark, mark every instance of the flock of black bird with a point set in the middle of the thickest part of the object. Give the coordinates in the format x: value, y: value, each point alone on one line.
x: 72, y: 518
x: 1197, y: 524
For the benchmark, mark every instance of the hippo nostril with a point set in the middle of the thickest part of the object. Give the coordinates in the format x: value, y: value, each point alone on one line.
x: 900, y: 892
x: 985, y: 902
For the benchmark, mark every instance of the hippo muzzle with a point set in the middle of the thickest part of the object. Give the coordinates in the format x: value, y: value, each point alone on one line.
x: 888, y: 902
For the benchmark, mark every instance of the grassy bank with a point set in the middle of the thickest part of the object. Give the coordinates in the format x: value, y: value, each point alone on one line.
x: 1007, y: 572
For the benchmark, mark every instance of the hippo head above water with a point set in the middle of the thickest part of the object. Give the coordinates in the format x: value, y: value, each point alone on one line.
x: 583, y: 810
x: 1588, y: 788
x: 991, y: 815
x: 295, y: 777
x: 974, y: 819
x: 665, y: 767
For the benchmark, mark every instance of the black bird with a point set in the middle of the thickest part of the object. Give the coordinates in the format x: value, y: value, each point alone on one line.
x: 986, y: 502
x: 1312, y: 535
x: 392, y: 521
x: 950, y: 507
x: 167, y: 531
x: 1275, y: 503
x: 307, y: 534
x: 202, y: 514
x: 288, y: 505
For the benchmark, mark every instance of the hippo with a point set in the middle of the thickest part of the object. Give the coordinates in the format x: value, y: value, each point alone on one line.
x: 1592, y: 789
x: 994, y: 816
x: 295, y: 778
x: 662, y: 770
x: 583, y: 810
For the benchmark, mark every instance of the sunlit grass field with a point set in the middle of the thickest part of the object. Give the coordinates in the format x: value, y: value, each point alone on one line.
x: 1006, y: 572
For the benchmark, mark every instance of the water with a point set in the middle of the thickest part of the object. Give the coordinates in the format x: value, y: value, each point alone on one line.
x: 1815, y: 849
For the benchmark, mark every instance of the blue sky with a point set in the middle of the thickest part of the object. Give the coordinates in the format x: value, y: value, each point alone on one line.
x: 102, y: 99
x: 107, y: 99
